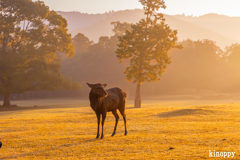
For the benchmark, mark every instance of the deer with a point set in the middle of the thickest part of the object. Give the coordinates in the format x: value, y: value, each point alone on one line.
x: 109, y: 100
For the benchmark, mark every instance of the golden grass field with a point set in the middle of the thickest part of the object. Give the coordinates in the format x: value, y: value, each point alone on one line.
x: 68, y: 131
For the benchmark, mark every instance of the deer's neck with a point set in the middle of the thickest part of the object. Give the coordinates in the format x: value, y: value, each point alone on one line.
x: 95, y: 101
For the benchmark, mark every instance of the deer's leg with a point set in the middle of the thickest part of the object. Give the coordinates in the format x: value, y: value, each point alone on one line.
x: 98, y: 121
x: 114, y: 112
x: 122, y: 111
x: 103, y: 119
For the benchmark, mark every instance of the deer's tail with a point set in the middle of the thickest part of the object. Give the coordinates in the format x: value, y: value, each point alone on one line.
x: 125, y: 95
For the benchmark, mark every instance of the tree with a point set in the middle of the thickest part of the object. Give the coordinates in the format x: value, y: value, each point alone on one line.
x: 233, y: 55
x: 120, y: 28
x: 81, y: 43
x: 146, y: 47
x: 198, y: 65
x: 30, y: 37
x: 97, y: 64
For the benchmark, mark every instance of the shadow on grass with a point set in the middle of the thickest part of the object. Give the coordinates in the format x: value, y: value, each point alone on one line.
x: 44, y: 151
x: 131, y: 108
x: 185, y: 112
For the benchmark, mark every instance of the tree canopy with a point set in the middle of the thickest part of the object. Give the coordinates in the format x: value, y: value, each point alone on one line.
x: 81, y: 43
x: 145, y: 47
x: 233, y: 55
x: 30, y: 37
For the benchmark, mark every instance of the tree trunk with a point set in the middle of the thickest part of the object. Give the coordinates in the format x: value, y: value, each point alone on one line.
x: 6, y: 101
x: 137, y: 103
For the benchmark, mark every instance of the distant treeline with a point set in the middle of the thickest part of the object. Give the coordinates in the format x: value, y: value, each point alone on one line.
x: 199, y: 65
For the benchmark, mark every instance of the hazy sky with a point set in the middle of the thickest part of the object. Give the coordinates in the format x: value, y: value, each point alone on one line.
x: 188, y: 7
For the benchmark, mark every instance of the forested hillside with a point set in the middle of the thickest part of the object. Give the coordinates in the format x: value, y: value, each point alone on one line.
x: 202, y: 64
x: 221, y: 29
x: 224, y: 25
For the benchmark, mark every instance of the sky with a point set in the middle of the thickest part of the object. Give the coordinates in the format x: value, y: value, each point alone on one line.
x: 187, y: 7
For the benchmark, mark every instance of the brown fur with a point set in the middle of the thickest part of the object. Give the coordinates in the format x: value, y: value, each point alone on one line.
x: 103, y: 101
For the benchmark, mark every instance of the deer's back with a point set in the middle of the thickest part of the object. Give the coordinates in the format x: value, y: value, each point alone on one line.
x: 116, y: 97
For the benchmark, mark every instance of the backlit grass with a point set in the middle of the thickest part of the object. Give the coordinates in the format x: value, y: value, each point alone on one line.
x: 69, y: 133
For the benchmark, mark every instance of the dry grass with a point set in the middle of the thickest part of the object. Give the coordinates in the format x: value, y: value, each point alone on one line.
x: 69, y: 133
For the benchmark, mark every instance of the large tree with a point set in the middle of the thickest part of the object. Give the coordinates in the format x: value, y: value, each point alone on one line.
x: 146, y: 47
x: 30, y: 37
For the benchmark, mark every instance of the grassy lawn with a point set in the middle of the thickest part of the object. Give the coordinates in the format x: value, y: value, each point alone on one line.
x: 68, y: 132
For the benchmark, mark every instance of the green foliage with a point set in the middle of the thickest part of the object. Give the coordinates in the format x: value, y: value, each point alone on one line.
x: 30, y: 37
x: 146, y: 45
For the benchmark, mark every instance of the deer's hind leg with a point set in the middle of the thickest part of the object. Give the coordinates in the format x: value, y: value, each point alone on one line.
x: 114, y: 112
x: 122, y: 111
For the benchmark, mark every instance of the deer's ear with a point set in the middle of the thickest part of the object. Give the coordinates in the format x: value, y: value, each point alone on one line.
x: 104, y: 85
x: 90, y: 85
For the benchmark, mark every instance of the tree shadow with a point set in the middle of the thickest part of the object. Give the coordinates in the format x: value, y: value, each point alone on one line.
x: 185, y: 112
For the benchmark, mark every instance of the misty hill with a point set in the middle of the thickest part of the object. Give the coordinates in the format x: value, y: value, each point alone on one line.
x: 78, y: 20
x: 221, y: 29
x: 104, y: 27
x: 187, y: 30
x: 227, y: 26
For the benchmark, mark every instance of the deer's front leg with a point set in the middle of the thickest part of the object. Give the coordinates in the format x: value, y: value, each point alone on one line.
x: 103, y: 119
x: 98, y: 121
